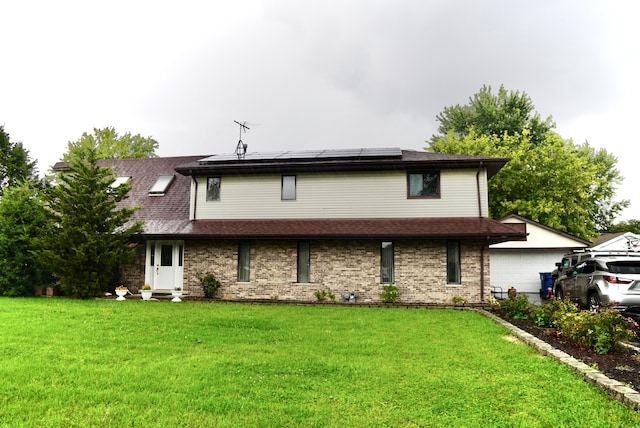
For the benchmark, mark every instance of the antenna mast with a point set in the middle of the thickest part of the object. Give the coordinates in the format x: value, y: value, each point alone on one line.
x: 241, y: 148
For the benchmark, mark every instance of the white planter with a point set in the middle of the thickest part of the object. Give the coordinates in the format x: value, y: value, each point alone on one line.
x: 146, y: 294
x: 176, y: 295
x: 121, y: 294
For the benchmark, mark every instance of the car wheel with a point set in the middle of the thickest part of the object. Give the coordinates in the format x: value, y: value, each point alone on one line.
x: 593, y: 300
x: 559, y: 292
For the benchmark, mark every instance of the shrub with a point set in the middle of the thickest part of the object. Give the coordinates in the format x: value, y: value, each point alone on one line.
x: 210, y: 285
x: 323, y: 295
x: 597, y: 331
x: 515, y: 306
x: 547, y: 314
x: 389, y: 294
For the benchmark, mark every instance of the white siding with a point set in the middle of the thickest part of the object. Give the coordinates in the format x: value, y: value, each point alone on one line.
x: 341, y: 195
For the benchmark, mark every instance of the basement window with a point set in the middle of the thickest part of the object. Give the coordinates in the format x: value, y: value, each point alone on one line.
x: 161, y: 185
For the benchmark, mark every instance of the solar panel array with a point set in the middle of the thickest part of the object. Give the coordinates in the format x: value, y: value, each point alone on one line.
x: 307, y: 154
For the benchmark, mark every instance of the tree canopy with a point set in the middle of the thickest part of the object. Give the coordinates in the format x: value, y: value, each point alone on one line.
x: 91, y: 230
x: 108, y: 144
x: 548, y: 179
x: 15, y: 163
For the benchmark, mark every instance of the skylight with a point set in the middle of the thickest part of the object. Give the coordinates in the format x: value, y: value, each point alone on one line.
x: 161, y: 185
x: 119, y: 181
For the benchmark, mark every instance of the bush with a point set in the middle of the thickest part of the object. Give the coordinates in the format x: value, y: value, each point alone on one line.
x: 515, y: 306
x: 597, y: 331
x: 323, y: 295
x: 389, y: 294
x: 547, y: 314
x: 210, y: 285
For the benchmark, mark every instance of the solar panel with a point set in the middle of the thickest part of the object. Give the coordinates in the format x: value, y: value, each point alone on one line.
x: 306, y: 154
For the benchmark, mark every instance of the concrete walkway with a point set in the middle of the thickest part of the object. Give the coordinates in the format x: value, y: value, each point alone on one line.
x: 616, y: 389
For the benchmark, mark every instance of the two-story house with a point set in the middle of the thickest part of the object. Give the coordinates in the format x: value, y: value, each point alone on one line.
x: 282, y: 225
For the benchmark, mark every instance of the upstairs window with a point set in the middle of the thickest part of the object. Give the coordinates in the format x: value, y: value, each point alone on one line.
x: 161, y: 185
x: 213, y: 188
x: 424, y: 185
x: 288, y: 187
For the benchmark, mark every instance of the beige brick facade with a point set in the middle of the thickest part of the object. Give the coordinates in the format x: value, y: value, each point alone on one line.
x: 341, y: 265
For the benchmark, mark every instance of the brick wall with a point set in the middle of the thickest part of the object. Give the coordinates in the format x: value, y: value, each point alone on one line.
x: 132, y: 274
x: 341, y: 265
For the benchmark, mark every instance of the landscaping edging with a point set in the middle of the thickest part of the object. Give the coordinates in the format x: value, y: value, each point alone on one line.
x: 617, y: 390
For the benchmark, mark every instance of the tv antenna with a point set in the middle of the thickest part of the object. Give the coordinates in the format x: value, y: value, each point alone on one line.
x: 241, y: 148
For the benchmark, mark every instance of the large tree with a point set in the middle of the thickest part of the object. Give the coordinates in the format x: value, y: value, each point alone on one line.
x: 506, y: 112
x: 108, y: 144
x: 92, y: 229
x: 15, y: 163
x: 548, y: 179
x: 23, y: 221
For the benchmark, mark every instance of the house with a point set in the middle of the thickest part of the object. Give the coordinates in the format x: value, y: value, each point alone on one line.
x: 618, y: 242
x: 283, y: 225
x: 519, y: 264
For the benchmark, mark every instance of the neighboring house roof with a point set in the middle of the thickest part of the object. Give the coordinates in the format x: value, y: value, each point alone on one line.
x: 338, y: 160
x: 622, y: 241
x: 540, y: 236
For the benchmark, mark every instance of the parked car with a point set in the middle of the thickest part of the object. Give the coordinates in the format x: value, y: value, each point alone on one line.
x: 603, y: 280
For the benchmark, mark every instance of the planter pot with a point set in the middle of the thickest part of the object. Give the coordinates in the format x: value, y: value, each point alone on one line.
x: 121, y: 294
x: 176, y: 295
x: 146, y: 294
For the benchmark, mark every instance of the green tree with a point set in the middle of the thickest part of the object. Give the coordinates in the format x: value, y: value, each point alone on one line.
x: 108, y: 144
x: 548, y: 179
x: 506, y: 112
x: 23, y: 220
x: 625, y: 226
x: 15, y: 163
x: 92, y: 229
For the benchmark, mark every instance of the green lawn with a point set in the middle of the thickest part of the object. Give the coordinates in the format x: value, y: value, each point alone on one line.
x: 107, y: 363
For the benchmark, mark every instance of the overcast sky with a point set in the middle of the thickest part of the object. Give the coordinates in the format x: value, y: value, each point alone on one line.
x: 313, y: 74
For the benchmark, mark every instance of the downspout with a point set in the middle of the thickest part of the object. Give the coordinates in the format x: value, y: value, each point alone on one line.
x: 482, y: 247
x: 195, y: 197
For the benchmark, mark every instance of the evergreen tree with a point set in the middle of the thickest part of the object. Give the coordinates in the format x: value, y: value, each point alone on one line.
x: 23, y: 220
x: 92, y: 228
x: 15, y: 163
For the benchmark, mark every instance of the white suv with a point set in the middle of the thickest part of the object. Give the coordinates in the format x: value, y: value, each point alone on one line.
x: 603, y: 279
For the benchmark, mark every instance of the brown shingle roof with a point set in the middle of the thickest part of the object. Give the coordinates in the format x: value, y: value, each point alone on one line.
x: 363, y: 228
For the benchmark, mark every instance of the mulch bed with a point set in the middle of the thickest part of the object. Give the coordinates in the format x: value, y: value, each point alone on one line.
x: 621, y: 364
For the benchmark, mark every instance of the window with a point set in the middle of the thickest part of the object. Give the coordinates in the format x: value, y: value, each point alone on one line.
x: 386, y: 263
x: 213, y: 188
x: 288, y: 188
x: 424, y: 185
x: 304, y: 262
x: 166, y: 255
x: 161, y: 185
x: 244, y: 258
x: 119, y: 181
x: 453, y: 262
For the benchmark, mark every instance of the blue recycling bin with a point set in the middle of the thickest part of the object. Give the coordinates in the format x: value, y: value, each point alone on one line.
x: 546, y: 282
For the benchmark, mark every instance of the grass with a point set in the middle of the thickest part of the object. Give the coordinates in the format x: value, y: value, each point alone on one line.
x: 145, y: 364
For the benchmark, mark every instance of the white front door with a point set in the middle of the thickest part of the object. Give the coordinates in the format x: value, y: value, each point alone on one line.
x: 164, y: 264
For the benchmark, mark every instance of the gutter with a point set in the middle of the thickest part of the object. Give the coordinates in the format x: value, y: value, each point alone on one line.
x: 478, y: 189
x: 195, y: 198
